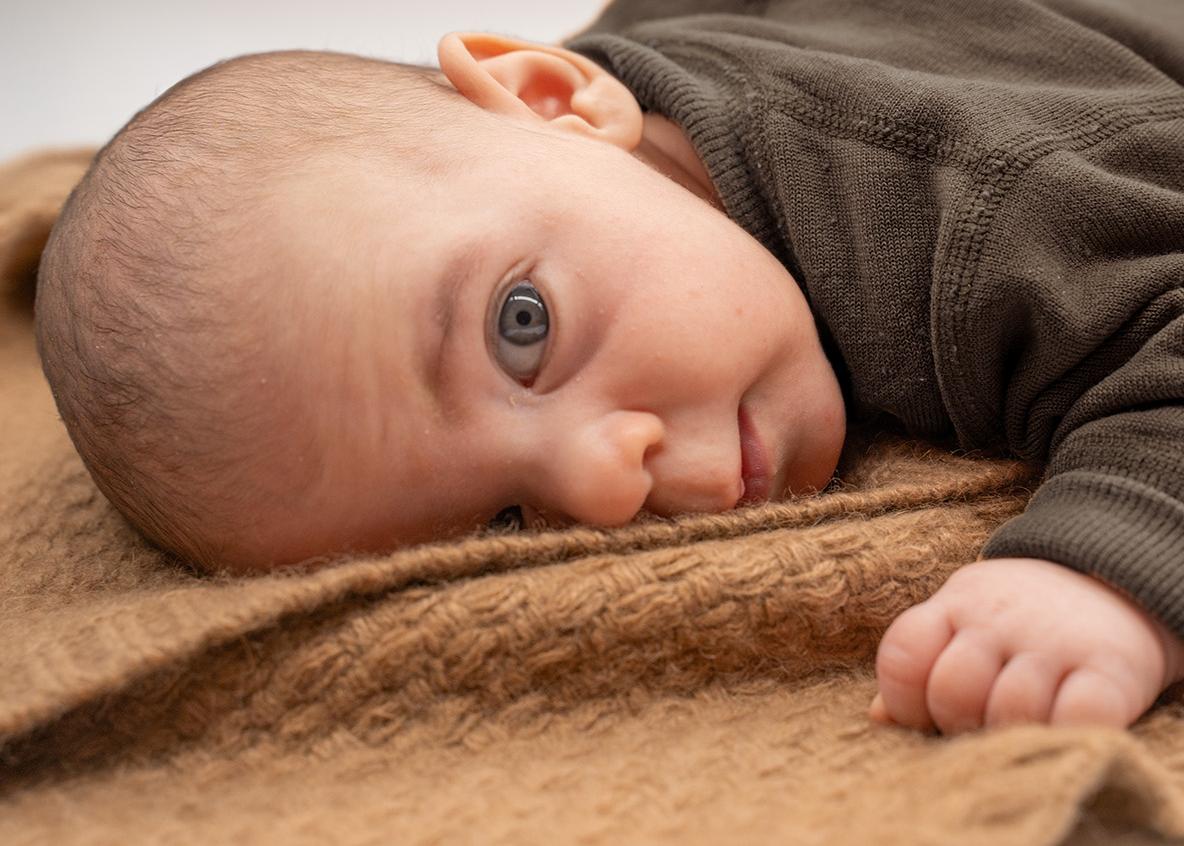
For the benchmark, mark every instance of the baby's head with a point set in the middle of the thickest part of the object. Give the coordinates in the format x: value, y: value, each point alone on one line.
x: 308, y: 303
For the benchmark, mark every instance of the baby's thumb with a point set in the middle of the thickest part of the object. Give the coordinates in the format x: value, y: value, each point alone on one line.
x: 877, y: 711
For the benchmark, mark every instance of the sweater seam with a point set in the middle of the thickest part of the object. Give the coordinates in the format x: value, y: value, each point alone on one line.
x: 956, y: 265
x: 821, y: 115
x: 893, y: 134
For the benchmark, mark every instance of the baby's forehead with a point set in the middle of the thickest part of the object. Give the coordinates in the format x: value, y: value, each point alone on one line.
x: 336, y: 268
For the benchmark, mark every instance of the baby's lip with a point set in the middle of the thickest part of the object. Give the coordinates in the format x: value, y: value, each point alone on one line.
x: 755, y: 469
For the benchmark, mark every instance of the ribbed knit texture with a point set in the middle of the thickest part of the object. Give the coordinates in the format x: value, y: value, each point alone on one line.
x: 694, y: 681
x: 983, y: 201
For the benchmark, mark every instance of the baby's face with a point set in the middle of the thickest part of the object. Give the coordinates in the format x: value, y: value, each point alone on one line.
x: 549, y: 324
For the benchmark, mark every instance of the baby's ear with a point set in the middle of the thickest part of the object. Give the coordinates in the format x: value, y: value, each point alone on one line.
x: 540, y: 83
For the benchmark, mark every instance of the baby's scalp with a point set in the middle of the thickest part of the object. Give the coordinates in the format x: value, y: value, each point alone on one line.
x: 167, y: 339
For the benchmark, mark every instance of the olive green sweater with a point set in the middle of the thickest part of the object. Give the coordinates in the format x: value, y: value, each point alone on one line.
x: 983, y: 201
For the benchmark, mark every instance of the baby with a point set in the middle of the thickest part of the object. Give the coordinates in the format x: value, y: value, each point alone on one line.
x: 309, y: 303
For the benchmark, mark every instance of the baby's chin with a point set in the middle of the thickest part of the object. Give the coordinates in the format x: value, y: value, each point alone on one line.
x: 817, y: 454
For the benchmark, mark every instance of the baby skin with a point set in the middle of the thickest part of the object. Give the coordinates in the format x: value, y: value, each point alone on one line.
x: 1012, y: 640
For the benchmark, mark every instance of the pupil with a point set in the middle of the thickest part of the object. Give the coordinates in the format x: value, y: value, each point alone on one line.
x: 523, y: 318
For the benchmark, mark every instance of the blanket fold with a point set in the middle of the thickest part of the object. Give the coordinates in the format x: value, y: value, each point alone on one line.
x: 696, y: 680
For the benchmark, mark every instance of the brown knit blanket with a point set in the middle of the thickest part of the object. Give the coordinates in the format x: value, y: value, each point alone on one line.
x: 694, y: 681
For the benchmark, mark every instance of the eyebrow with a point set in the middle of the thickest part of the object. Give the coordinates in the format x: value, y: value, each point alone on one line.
x: 444, y: 299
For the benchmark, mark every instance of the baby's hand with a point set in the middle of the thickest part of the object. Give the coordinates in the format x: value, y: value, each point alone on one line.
x: 1023, y: 640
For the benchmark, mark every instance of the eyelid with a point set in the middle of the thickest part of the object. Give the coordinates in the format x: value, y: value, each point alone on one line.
x: 521, y: 271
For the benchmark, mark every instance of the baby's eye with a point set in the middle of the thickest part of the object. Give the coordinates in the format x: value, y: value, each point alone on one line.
x: 515, y: 518
x: 508, y: 519
x: 522, y: 328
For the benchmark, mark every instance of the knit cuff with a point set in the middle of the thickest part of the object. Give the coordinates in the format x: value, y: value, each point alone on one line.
x: 1125, y: 532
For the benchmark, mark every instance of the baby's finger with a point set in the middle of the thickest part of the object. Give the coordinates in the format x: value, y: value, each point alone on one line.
x: 961, y: 679
x: 906, y: 654
x: 877, y: 711
x: 1086, y: 697
x: 1024, y: 691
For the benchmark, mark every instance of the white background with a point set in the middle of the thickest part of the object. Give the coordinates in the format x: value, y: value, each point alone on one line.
x: 73, y: 71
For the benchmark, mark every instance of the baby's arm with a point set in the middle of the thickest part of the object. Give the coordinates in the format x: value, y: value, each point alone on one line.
x: 1023, y: 640
x: 1071, y: 338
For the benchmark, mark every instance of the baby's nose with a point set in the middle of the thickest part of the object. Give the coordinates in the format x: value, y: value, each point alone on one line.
x: 599, y: 472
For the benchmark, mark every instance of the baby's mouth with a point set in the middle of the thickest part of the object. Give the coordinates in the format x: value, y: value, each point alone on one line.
x: 755, y: 470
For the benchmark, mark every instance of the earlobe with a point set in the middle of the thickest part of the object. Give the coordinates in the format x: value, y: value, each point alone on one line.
x: 540, y: 83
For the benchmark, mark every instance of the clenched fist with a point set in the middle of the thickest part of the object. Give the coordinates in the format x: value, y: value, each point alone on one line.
x: 1023, y: 640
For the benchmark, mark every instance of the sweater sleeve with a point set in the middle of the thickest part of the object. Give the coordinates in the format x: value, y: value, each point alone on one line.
x: 1090, y: 357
